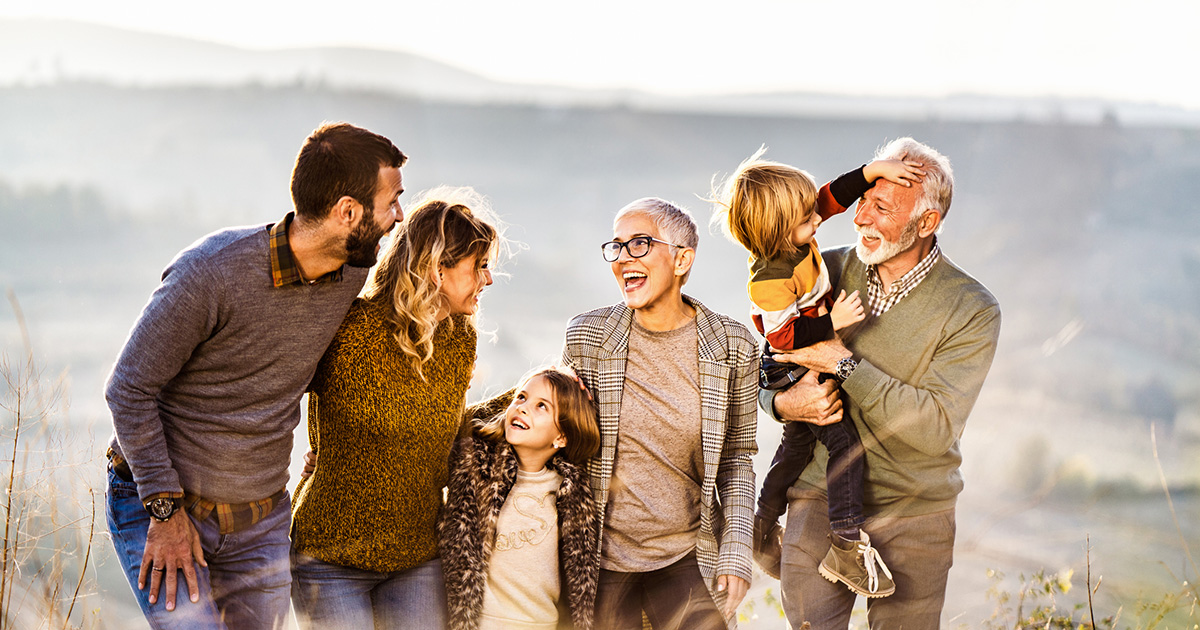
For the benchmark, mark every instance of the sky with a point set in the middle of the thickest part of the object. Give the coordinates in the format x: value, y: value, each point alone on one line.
x: 1133, y: 51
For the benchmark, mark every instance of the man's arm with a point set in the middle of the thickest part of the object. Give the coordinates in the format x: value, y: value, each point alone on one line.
x: 929, y: 415
x: 933, y: 412
x: 180, y: 315
x: 735, y: 479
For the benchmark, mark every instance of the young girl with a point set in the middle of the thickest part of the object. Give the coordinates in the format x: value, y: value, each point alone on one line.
x: 773, y: 210
x: 519, y: 526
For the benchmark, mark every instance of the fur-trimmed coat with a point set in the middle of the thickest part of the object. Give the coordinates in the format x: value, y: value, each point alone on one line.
x: 482, y: 473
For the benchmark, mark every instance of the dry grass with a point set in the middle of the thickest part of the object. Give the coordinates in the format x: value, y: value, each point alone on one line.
x: 48, y: 530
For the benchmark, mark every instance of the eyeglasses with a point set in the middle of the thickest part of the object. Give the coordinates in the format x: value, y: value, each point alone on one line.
x: 637, y: 247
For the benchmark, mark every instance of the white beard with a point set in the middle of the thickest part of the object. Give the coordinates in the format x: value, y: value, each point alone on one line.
x: 886, y: 250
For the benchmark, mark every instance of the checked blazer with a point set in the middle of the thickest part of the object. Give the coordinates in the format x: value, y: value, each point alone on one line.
x: 597, y: 345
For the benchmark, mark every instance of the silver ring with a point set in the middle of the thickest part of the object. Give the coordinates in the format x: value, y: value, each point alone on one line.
x: 158, y: 568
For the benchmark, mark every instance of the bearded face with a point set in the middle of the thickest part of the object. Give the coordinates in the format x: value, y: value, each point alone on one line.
x: 887, y: 249
x: 887, y: 220
x: 362, y: 244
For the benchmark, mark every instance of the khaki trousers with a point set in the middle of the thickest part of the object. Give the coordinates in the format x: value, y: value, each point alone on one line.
x: 917, y: 549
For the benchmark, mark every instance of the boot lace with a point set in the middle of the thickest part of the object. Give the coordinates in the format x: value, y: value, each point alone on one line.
x: 873, y: 564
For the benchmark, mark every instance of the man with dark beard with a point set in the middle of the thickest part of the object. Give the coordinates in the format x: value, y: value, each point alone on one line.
x: 205, y: 394
x: 911, y: 372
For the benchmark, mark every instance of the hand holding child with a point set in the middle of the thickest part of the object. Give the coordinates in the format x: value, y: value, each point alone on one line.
x: 902, y: 172
x: 846, y: 310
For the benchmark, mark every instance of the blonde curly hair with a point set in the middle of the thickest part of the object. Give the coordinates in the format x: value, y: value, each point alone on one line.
x: 447, y: 226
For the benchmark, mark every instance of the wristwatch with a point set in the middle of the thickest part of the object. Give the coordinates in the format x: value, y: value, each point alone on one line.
x: 845, y: 368
x: 162, y: 508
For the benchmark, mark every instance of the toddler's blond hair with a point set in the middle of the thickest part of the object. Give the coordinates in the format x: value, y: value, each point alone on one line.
x: 762, y: 202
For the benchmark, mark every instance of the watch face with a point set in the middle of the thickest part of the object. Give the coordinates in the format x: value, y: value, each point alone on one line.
x: 845, y: 367
x: 161, y: 508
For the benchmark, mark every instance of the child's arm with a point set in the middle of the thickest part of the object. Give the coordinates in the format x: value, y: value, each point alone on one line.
x: 794, y: 330
x: 789, y: 329
x: 459, y: 528
x: 841, y: 193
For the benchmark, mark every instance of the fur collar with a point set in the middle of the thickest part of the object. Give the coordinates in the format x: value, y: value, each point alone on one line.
x: 482, y: 473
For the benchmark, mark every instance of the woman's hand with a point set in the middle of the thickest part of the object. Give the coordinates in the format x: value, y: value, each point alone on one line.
x: 735, y: 591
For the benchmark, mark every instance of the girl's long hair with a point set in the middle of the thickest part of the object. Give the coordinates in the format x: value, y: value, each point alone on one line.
x: 447, y: 225
x: 578, y: 416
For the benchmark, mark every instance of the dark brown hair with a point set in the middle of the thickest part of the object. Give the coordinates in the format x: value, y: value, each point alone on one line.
x: 340, y: 160
x: 578, y: 418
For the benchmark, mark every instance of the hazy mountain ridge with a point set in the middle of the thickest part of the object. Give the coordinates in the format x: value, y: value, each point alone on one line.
x: 44, y: 51
x: 1050, y: 216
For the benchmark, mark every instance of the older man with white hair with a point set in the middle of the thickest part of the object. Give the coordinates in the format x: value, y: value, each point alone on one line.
x: 911, y: 372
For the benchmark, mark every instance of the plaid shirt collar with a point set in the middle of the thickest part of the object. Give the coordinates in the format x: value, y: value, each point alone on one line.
x: 284, y: 270
x: 879, y: 301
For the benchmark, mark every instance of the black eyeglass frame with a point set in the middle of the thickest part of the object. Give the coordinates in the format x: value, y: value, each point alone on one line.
x: 607, y: 247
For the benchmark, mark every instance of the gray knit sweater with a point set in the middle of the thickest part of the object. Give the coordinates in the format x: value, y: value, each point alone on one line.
x: 206, y: 393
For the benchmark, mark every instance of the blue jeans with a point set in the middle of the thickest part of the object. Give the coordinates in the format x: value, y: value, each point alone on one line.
x: 246, y: 584
x: 843, y: 473
x: 332, y: 596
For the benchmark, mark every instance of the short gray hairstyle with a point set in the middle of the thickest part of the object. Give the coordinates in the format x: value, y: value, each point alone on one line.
x: 937, y: 187
x: 675, y: 223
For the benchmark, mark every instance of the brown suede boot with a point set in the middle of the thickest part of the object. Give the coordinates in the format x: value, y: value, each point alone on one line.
x: 857, y: 565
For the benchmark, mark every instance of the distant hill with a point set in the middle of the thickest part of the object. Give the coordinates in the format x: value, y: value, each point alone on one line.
x: 1086, y: 232
x: 44, y: 51
x: 40, y: 51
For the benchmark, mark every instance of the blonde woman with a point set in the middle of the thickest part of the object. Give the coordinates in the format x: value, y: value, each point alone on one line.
x: 385, y: 406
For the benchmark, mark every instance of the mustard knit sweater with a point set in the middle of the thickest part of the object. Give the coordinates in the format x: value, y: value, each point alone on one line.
x: 383, y: 438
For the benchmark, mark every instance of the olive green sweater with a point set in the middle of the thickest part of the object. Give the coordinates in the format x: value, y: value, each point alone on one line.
x: 921, y: 366
x: 383, y: 439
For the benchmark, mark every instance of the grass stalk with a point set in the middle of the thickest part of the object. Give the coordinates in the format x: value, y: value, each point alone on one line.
x: 1090, y: 590
x: 1162, y: 477
x: 87, y: 555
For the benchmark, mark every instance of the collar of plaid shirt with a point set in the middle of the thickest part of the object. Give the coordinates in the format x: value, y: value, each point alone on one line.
x: 879, y: 302
x: 284, y: 270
